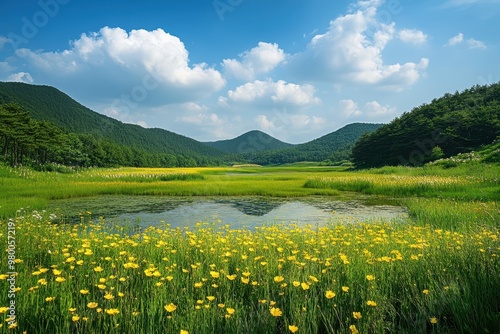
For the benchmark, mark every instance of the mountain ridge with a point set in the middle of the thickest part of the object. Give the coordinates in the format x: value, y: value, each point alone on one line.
x: 334, y: 146
x: 163, y: 147
x: 47, y: 103
x: 250, y: 141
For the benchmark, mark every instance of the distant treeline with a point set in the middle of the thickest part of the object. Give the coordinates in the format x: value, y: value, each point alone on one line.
x: 26, y: 141
x: 453, y: 124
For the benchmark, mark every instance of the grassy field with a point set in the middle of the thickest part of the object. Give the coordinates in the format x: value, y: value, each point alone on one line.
x: 438, y: 272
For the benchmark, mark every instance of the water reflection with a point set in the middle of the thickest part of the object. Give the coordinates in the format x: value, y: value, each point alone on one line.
x: 239, y: 212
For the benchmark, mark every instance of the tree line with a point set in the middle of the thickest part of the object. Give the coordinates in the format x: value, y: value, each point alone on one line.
x: 27, y: 141
x: 455, y: 123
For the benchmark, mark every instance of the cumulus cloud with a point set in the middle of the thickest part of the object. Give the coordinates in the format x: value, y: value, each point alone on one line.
x: 271, y: 93
x: 459, y: 38
x: 351, y: 51
x: 471, y: 42
x: 154, y: 60
x: 20, y: 77
x: 259, y: 60
x: 349, y: 108
x: 286, y: 125
x: 412, y: 36
x: 372, y: 109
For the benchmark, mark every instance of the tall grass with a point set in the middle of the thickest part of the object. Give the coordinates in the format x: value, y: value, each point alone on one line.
x: 438, y: 272
x: 400, y: 278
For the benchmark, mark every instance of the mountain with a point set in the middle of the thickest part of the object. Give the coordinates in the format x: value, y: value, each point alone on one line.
x: 46, y: 103
x: 252, y: 141
x: 47, y: 126
x: 453, y: 124
x: 334, y: 146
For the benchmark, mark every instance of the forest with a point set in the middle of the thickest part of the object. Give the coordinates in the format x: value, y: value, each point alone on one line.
x: 455, y: 123
x: 43, y: 145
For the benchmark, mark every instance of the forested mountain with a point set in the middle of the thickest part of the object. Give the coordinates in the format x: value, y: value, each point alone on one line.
x: 452, y: 124
x: 45, y: 103
x: 334, y: 146
x: 252, y: 141
x: 40, y: 125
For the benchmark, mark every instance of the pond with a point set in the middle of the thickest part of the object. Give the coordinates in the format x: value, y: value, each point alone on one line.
x: 238, y: 212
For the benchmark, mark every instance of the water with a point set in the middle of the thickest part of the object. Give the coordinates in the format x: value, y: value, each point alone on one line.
x: 238, y: 212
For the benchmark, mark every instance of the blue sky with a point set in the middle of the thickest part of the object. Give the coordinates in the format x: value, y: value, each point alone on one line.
x: 212, y: 70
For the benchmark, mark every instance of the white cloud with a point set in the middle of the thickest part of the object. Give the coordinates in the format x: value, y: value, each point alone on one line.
x: 471, y: 42
x: 194, y: 107
x: 455, y: 40
x: 201, y: 119
x: 372, y: 110
x: 273, y: 93
x: 376, y: 110
x: 475, y: 44
x: 349, y: 108
x: 20, y: 77
x: 412, y: 36
x: 264, y: 123
x: 351, y: 52
x: 283, y: 122
x: 259, y: 60
x: 152, y: 62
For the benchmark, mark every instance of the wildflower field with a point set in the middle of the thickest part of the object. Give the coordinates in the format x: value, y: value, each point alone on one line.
x: 437, y: 272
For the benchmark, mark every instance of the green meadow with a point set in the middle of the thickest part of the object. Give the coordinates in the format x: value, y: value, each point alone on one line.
x: 436, y: 272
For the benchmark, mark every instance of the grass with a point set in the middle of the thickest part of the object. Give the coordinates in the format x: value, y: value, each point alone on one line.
x: 316, y: 277
x: 438, y: 272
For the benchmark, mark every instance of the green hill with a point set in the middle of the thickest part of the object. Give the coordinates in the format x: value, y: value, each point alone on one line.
x: 45, y: 103
x: 453, y: 124
x: 334, y: 146
x: 252, y: 141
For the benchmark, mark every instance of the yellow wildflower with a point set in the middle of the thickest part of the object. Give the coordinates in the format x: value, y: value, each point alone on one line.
x: 275, y: 312
x: 112, y: 311
x: 329, y: 294
x: 278, y: 279
x: 170, y: 307
x: 92, y: 305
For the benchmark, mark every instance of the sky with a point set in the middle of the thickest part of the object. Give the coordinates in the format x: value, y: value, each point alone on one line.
x: 214, y: 69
